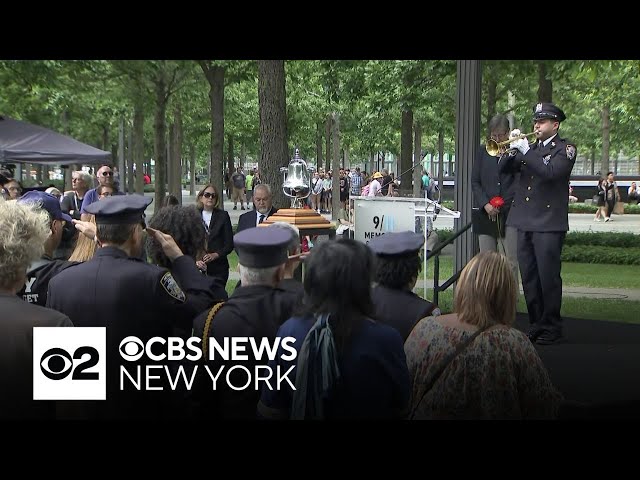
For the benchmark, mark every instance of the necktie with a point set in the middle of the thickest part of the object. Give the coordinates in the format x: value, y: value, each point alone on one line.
x: 261, y: 219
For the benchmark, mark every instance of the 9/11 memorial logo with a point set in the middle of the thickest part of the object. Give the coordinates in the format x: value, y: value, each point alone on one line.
x: 69, y: 363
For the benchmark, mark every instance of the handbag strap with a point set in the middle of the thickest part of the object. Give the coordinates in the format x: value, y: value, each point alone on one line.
x: 444, y: 364
x: 207, y: 328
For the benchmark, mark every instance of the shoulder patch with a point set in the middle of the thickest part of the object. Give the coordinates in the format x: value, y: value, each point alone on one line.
x: 571, y: 152
x: 172, y: 288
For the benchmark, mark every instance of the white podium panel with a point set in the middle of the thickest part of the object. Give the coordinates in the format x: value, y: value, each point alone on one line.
x: 377, y: 216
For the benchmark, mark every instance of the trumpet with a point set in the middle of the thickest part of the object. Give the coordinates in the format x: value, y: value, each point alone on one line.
x: 496, y: 149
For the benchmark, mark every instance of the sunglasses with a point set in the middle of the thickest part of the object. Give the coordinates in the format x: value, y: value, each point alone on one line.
x: 107, y: 174
x: 209, y: 195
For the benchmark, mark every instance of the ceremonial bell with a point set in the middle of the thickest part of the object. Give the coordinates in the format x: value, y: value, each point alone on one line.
x: 297, y: 183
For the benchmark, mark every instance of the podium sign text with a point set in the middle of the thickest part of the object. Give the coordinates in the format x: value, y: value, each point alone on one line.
x: 378, y: 216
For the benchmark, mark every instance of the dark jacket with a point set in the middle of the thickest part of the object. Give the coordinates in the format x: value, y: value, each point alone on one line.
x: 248, y: 219
x: 400, y: 309
x: 255, y: 312
x: 38, y: 277
x: 540, y: 203
x: 132, y: 298
x: 487, y: 182
x: 16, y: 357
x: 220, y: 241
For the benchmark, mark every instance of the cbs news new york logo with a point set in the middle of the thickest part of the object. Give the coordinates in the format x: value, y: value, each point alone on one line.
x: 69, y: 363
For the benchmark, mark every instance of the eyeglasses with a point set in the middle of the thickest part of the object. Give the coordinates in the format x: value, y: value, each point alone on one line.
x: 209, y: 195
x: 107, y: 174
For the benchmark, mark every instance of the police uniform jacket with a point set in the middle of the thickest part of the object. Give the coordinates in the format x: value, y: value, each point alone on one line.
x: 255, y: 311
x: 131, y: 298
x: 540, y: 203
x: 400, y: 309
x: 16, y: 357
x: 487, y: 182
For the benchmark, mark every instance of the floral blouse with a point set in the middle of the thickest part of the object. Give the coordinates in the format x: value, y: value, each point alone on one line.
x: 498, y: 376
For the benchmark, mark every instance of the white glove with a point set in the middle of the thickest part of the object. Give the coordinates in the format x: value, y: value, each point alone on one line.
x: 514, y: 133
x: 521, y: 144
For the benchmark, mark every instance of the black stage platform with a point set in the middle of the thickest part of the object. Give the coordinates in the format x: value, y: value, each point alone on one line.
x: 598, y: 370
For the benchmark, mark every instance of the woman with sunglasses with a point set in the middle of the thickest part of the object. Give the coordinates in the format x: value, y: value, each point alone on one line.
x: 219, y: 234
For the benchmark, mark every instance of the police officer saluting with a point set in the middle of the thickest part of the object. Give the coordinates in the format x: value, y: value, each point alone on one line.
x: 117, y: 290
x: 540, y: 212
x: 398, y: 265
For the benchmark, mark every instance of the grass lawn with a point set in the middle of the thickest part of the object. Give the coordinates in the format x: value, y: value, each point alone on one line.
x: 573, y: 274
x: 596, y: 309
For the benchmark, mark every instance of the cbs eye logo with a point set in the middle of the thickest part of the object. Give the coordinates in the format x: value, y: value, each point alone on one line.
x: 131, y: 349
x: 57, y: 364
x: 69, y: 363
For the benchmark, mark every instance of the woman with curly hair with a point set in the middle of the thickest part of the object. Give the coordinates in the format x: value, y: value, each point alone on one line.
x: 25, y: 229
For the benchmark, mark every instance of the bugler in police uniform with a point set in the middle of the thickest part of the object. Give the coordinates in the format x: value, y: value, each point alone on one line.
x: 117, y: 290
x: 254, y: 310
x: 397, y: 269
x: 540, y: 213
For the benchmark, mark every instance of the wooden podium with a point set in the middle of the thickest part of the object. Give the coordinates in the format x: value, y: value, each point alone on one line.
x: 308, y: 221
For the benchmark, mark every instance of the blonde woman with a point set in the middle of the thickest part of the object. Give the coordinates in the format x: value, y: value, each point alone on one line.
x: 85, y: 247
x: 219, y: 233
x: 472, y: 364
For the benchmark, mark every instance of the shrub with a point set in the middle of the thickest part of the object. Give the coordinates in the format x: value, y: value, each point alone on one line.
x: 601, y: 254
x: 605, y: 239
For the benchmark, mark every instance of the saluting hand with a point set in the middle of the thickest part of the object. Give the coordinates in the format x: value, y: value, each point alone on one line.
x: 166, y: 241
x: 88, y: 229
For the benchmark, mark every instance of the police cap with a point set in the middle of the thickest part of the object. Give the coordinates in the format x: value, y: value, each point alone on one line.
x: 119, y: 209
x: 397, y: 243
x: 548, y: 110
x: 262, y: 247
x: 47, y: 201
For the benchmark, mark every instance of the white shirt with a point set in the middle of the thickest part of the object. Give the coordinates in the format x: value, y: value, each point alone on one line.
x: 546, y: 142
x: 374, y: 188
x: 258, y: 215
x: 206, y: 219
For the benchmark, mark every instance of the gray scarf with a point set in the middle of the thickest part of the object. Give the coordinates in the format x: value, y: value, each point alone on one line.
x: 317, y: 372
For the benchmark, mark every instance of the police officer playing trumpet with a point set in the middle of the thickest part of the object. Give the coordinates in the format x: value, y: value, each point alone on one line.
x: 540, y: 213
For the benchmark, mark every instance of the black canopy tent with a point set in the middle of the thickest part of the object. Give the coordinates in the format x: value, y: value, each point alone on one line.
x: 22, y: 142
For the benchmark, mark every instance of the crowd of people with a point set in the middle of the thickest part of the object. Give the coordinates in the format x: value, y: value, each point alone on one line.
x: 366, y: 345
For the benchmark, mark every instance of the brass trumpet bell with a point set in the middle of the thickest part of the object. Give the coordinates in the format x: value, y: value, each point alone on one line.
x: 495, y: 149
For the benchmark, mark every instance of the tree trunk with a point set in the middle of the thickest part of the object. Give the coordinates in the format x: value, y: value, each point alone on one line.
x: 406, y: 150
x: 192, y: 172
x: 606, y: 139
x: 160, y: 146
x: 593, y: 161
x: 492, y: 87
x: 130, y: 177
x: 319, y: 145
x: 175, y: 187
x: 417, y: 159
x: 346, y: 160
x: 243, y: 156
x: 138, y: 146
x: 121, y: 161
x: 327, y: 136
x: 216, y: 95
x: 335, y: 177
x: 230, y: 155
x: 441, y: 161
x: 67, y: 170
x: 372, y: 164
x: 273, y: 127
x: 545, y: 86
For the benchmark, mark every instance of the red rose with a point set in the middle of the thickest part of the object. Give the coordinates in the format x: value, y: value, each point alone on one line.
x: 496, y: 202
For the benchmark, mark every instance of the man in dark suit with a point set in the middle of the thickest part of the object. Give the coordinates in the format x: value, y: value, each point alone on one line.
x: 262, y: 199
x: 540, y: 212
